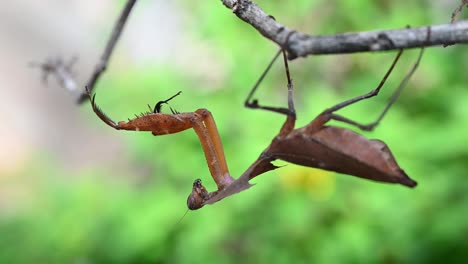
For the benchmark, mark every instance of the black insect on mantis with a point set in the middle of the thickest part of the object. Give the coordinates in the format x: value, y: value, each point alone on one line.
x: 317, y: 145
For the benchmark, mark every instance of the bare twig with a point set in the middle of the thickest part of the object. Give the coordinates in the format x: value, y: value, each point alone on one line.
x: 301, y: 44
x: 458, y: 9
x: 102, y: 64
x: 61, y: 70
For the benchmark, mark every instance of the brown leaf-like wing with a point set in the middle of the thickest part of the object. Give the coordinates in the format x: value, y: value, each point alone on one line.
x: 340, y: 150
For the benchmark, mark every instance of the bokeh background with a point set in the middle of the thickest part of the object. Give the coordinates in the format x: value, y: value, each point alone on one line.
x: 72, y: 190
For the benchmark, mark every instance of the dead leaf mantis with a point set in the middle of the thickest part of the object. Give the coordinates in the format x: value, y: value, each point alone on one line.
x: 320, y: 146
x: 315, y: 145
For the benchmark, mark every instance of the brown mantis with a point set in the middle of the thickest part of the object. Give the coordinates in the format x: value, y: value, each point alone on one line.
x: 316, y: 145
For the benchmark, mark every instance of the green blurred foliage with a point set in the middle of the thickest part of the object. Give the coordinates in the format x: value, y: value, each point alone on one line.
x: 292, y: 215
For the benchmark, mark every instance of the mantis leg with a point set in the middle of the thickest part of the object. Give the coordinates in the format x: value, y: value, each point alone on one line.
x: 211, y: 144
x: 253, y: 103
x: 329, y: 113
x: 99, y: 112
x: 213, y: 134
x: 288, y: 126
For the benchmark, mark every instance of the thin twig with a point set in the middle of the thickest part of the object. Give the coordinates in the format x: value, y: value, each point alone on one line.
x: 302, y: 45
x: 61, y: 70
x: 104, y: 60
x: 458, y: 10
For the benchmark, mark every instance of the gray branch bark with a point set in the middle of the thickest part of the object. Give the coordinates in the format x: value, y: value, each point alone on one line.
x: 301, y: 44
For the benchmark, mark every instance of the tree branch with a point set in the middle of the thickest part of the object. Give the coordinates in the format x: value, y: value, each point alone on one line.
x: 302, y: 45
x: 102, y: 64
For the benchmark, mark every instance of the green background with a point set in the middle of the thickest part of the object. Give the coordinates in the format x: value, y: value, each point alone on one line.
x: 294, y: 214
